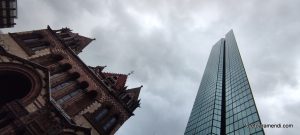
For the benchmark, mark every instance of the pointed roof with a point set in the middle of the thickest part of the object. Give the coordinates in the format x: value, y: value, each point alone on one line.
x: 97, y: 69
x: 134, y: 92
x: 84, y: 41
x: 120, y: 79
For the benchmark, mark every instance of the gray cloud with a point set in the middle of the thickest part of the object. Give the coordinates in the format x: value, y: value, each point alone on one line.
x: 167, y: 44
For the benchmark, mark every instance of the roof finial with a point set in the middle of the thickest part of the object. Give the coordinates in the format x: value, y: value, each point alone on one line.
x: 131, y: 72
x: 66, y: 29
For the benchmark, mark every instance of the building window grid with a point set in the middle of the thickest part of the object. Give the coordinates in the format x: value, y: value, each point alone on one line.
x: 203, y: 122
x: 203, y: 107
x: 69, y: 96
x: 204, y: 117
x: 244, y: 104
x: 236, y: 95
x: 62, y: 86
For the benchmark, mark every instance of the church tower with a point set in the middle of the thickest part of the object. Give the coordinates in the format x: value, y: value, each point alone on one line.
x: 47, y: 89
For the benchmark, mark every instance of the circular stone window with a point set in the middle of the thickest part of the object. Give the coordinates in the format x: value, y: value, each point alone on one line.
x: 13, y: 85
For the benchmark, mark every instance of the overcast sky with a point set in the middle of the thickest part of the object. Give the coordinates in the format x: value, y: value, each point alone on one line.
x: 167, y: 44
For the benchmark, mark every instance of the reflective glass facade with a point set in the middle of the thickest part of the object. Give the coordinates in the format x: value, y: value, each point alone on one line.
x: 224, y: 103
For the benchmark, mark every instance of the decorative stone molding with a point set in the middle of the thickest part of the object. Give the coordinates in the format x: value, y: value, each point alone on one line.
x: 31, y: 74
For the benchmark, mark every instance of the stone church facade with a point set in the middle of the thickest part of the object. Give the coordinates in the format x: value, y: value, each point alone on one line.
x: 45, y: 88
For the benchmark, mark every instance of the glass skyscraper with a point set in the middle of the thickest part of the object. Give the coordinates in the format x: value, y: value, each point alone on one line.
x: 224, y: 104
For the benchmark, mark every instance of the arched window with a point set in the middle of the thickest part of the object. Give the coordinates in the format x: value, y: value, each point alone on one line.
x: 110, y: 123
x: 47, y: 60
x: 35, y: 41
x: 14, y: 85
x: 62, y: 85
x: 69, y: 96
x: 101, y: 114
x: 57, y: 75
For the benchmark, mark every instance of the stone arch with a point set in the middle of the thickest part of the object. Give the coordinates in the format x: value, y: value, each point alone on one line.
x: 84, y: 85
x: 74, y: 75
x: 61, y: 68
x: 24, y: 83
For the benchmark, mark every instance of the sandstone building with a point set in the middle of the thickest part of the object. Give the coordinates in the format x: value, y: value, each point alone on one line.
x: 46, y: 89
